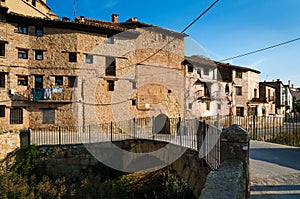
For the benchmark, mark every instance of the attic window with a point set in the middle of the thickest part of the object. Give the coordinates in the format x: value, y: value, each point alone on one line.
x: 72, y: 57
x: 39, y: 31
x: 206, y: 71
x: 110, y: 40
x: 190, y: 69
x: 239, y: 74
x: 23, y: 29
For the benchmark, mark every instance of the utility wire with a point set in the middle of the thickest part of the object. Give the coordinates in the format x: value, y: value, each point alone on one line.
x: 260, y: 50
x: 183, y: 31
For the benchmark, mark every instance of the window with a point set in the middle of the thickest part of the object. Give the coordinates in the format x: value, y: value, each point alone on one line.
x: 133, y: 85
x: 39, y: 55
x: 39, y: 31
x: 169, y: 91
x: 110, y: 66
x: 48, y: 116
x: 239, y: 74
x: 238, y: 90
x: 2, y: 49
x: 219, y: 106
x: 252, y: 111
x: 190, y: 105
x: 206, y: 71
x: 59, y: 80
x: 207, y: 106
x: 190, y: 68
x: 22, y: 80
x: 34, y: 2
x: 16, y: 116
x: 72, y: 83
x: 240, y: 111
x: 23, y: 29
x: 2, y: 110
x: 72, y: 57
x: 227, y: 89
x: 111, y: 85
x: 133, y: 102
x: 110, y: 40
x: 206, y: 90
x: 255, y: 93
x: 38, y: 83
x: 22, y: 54
x: 2, y: 80
x: 89, y: 59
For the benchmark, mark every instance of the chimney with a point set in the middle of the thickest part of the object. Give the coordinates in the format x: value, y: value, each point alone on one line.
x: 278, y: 80
x: 66, y: 19
x: 134, y: 19
x: 115, y: 18
x: 289, y: 83
x: 292, y: 85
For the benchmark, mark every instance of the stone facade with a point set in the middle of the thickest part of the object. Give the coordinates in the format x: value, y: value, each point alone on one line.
x: 9, y: 142
x: 87, y: 72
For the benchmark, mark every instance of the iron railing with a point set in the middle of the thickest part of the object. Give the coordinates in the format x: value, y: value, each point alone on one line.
x: 189, y: 133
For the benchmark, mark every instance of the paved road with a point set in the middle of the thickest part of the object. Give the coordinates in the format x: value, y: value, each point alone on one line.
x: 274, y: 171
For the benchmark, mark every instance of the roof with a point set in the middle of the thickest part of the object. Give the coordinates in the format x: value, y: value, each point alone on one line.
x: 198, y: 61
x: 244, y: 69
x: 296, y: 94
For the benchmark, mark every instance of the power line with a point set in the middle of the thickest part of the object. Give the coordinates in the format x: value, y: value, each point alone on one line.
x: 185, y: 29
x: 260, y: 50
x: 203, y: 13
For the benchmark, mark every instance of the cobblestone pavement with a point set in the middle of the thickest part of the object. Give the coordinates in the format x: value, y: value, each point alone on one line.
x: 274, y: 171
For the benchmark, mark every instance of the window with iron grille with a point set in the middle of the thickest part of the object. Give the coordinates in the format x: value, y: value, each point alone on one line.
x: 16, y: 116
x: 2, y: 110
x: 48, y: 116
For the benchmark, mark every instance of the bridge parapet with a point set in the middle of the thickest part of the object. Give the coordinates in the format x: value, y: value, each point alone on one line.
x: 231, y: 180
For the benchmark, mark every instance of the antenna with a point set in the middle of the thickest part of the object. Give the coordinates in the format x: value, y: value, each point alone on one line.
x: 74, y: 9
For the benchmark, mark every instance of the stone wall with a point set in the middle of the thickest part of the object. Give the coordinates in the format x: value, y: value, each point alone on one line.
x: 72, y: 160
x: 9, y: 142
x: 231, y: 180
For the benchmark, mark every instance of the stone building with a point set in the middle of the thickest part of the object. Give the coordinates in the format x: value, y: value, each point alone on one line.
x: 85, y: 72
x: 242, y: 85
x: 283, y: 97
x: 206, y: 93
x: 264, y: 104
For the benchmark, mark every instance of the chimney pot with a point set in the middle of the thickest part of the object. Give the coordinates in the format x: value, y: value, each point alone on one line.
x: 115, y: 18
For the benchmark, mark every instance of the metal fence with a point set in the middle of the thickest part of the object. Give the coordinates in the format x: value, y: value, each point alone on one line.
x: 189, y: 133
x: 278, y: 129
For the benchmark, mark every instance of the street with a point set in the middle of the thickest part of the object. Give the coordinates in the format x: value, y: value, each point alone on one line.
x: 274, y: 171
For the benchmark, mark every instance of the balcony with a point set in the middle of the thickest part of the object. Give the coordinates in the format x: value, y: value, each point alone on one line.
x: 52, y: 95
x: 201, y: 95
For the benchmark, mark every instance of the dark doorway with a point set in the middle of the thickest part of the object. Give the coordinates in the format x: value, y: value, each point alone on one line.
x: 161, y: 124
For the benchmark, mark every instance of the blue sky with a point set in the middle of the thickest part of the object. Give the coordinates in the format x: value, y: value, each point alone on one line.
x: 230, y: 28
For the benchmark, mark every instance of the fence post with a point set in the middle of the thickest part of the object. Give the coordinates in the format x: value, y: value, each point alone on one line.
x: 179, y: 130
x: 111, y: 131
x: 90, y: 134
x: 59, y: 136
x: 235, y: 145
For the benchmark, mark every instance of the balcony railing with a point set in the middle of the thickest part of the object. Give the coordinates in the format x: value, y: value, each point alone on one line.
x: 54, y: 94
